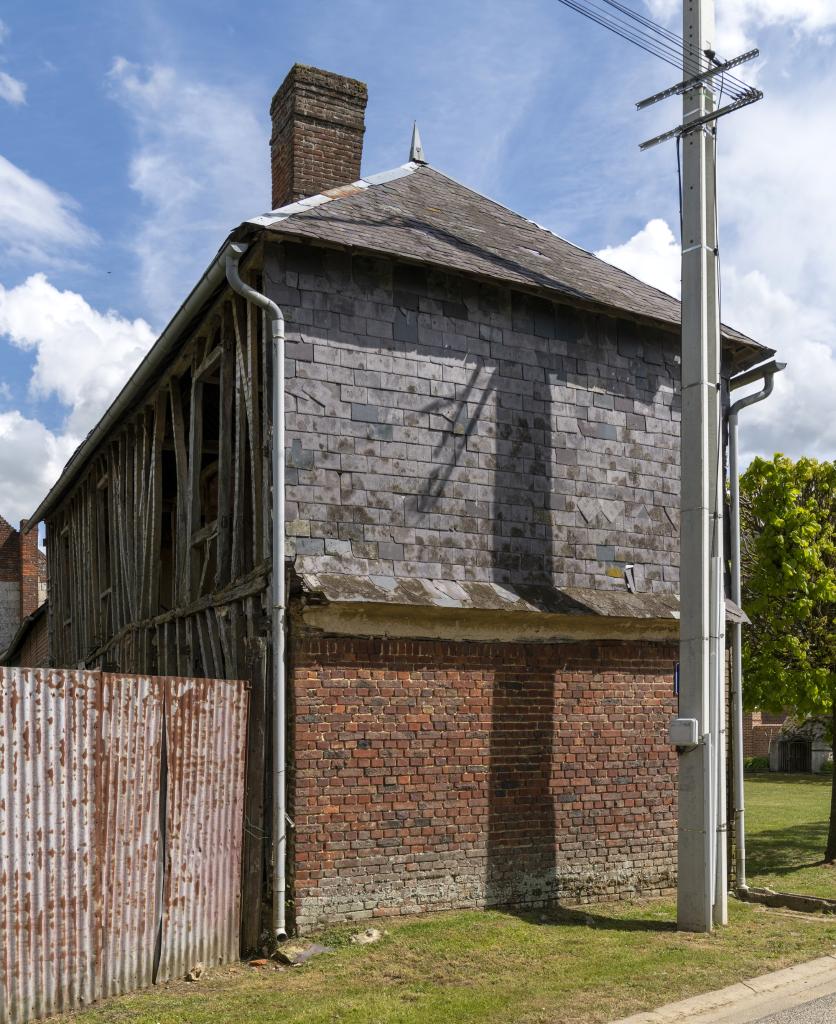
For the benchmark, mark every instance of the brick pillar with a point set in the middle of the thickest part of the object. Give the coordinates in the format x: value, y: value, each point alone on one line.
x: 28, y: 547
x: 318, y: 126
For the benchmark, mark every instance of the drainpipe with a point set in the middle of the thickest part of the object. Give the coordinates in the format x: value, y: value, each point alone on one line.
x: 279, y: 618
x: 767, y: 374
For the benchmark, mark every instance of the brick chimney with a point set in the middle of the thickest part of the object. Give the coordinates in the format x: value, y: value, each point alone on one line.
x: 29, y: 563
x: 318, y: 126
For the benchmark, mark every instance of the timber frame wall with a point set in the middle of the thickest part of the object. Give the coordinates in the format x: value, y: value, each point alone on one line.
x: 159, y: 558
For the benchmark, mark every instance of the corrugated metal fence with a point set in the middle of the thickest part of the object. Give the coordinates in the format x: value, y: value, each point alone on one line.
x: 121, y: 805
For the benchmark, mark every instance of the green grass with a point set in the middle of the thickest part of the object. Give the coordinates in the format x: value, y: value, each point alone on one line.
x: 786, y: 833
x: 585, y: 966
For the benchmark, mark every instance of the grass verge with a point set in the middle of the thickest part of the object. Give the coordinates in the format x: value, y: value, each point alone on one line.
x: 786, y: 833
x: 583, y: 967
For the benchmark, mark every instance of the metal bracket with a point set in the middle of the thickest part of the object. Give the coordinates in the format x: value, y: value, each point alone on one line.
x: 752, y: 96
x: 693, y: 248
x: 691, y: 83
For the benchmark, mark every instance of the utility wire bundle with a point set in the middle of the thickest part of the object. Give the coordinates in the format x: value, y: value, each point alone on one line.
x: 661, y: 42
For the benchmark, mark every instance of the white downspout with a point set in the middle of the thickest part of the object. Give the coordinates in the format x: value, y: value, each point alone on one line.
x: 768, y: 373
x: 279, y: 616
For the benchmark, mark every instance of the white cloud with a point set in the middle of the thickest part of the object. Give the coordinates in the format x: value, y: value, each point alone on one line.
x: 652, y: 255
x: 82, y: 356
x: 31, y: 458
x: 777, y: 226
x: 776, y: 188
x: 201, y: 166
x: 737, y: 20
x: 82, y: 359
x: 35, y: 220
x: 12, y: 90
x: 798, y: 418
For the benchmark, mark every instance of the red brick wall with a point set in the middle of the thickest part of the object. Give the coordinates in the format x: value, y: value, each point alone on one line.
x: 9, y: 553
x: 31, y: 570
x: 759, y: 729
x: 34, y: 651
x: 318, y: 127
x: 434, y: 775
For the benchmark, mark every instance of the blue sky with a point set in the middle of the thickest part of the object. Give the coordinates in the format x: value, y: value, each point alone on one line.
x: 133, y: 137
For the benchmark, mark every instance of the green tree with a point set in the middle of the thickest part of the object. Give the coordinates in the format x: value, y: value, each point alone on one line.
x: 788, y: 545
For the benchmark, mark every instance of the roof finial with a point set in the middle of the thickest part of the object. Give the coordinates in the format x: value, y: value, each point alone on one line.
x: 416, y: 150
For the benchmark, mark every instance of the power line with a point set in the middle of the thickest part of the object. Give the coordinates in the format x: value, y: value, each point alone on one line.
x: 653, y: 38
x: 672, y: 37
x: 626, y: 31
x: 648, y: 36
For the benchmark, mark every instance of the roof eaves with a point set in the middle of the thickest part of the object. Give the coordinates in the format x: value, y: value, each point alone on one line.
x: 284, y: 213
x: 213, y: 278
x: 730, y: 332
x: 21, y: 631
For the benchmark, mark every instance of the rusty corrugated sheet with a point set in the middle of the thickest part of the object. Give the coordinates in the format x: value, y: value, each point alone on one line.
x: 121, y: 805
x: 129, y: 832
x: 48, y: 878
x: 206, y: 732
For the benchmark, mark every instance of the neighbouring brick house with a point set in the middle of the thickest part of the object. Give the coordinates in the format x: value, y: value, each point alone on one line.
x: 29, y: 647
x: 22, y: 579
x: 760, y: 728
x: 482, y: 496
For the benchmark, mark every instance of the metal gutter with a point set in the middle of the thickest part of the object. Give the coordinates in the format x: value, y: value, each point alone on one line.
x: 766, y: 373
x: 279, y: 597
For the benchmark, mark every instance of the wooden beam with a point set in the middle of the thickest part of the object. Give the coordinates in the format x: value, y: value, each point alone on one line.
x: 155, y: 513
x: 190, y: 578
x: 181, y: 539
x: 209, y: 364
x: 226, y: 480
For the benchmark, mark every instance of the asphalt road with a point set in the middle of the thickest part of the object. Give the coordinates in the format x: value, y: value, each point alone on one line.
x: 820, y: 1011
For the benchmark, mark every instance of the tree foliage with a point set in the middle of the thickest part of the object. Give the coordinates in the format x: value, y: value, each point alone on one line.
x: 788, y: 547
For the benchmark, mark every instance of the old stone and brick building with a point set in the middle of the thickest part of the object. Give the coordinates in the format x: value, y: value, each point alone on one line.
x: 482, y: 497
x: 22, y: 579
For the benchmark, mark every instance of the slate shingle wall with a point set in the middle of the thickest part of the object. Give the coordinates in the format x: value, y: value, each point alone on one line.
x: 442, y: 428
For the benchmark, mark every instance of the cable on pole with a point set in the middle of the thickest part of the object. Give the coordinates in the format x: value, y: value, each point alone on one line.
x: 656, y: 40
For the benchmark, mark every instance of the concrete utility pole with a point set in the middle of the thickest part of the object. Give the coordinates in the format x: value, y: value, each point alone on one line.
x: 702, y: 885
x: 699, y: 730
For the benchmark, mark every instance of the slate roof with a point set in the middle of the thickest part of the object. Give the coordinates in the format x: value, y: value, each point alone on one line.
x: 417, y: 213
x: 420, y: 214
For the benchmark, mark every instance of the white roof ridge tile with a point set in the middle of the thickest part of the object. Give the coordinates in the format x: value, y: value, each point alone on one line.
x: 311, y: 202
